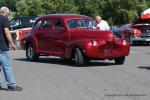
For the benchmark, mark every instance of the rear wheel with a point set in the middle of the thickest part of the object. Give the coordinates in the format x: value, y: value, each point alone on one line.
x: 30, y: 53
x: 120, y: 60
x: 79, y: 57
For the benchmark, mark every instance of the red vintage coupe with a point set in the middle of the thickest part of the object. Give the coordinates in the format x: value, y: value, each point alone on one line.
x: 74, y: 37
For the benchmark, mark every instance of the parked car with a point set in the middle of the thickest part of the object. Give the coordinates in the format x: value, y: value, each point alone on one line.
x: 22, y: 22
x: 23, y: 32
x: 72, y: 36
x: 142, y: 25
x: 129, y: 33
x: 137, y: 32
x: 19, y: 26
x: 117, y: 30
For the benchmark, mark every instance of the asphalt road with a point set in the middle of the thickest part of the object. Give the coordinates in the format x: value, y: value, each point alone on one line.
x: 53, y: 79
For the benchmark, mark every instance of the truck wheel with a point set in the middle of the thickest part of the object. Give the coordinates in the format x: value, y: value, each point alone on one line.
x: 30, y: 53
x: 120, y: 60
x: 79, y: 57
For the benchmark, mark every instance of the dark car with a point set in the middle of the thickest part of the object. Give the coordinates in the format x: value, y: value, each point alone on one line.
x: 116, y: 29
x: 22, y: 22
x: 19, y: 26
x: 73, y: 37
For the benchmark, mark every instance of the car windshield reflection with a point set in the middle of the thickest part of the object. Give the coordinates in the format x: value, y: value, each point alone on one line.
x: 81, y: 23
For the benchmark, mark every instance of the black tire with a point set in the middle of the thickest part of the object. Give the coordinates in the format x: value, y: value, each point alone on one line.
x: 30, y: 53
x: 79, y: 57
x: 120, y: 60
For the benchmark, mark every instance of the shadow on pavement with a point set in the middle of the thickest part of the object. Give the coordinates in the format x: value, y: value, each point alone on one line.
x: 5, y: 89
x: 148, y: 53
x: 144, y: 67
x: 59, y: 61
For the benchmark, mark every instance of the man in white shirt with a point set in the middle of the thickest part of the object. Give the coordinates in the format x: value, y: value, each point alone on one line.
x: 101, y: 24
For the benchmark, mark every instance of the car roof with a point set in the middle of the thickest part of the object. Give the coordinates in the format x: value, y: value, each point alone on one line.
x: 24, y: 17
x: 64, y: 16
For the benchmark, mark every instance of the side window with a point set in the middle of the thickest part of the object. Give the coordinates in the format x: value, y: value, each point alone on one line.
x: 72, y: 23
x: 15, y: 23
x: 47, y: 24
x: 58, y: 24
x: 80, y: 23
x: 37, y: 24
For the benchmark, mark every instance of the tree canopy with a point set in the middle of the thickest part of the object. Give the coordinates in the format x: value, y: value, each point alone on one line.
x: 114, y: 11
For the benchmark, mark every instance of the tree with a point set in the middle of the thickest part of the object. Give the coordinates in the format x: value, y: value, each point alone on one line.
x: 29, y: 8
x: 88, y: 7
x: 34, y: 7
x: 21, y: 7
x: 114, y: 11
x: 123, y: 11
x: 59, y: 6
x: 9, y: 3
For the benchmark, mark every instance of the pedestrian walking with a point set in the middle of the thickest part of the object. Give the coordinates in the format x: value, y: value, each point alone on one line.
x: 5, y: 39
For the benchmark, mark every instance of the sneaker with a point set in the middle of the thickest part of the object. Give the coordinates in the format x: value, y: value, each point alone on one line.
x: 14, y: 88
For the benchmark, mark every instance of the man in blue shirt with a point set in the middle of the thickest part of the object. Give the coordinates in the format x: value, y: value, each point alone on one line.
x: 5, y: 39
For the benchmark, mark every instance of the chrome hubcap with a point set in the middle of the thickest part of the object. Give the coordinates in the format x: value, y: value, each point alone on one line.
x: 30, y: 52
x: 76, y: 57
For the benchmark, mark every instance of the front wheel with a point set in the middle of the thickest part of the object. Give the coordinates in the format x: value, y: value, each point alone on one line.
x: 30, y: 53
x: 120, y: 60
x: 79, y: 57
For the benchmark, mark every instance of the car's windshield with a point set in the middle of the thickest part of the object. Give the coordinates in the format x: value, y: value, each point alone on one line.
x: 81, y: 23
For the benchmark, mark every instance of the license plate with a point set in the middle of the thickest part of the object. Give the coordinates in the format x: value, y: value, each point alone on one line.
x: 107, y: 50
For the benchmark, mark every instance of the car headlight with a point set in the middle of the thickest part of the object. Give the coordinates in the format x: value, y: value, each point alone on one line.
x: 95, y: 43
x: 124, y: 42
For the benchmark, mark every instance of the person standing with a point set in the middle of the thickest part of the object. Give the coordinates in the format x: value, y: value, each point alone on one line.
x: 5, y: 39
x: 101, y: 24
